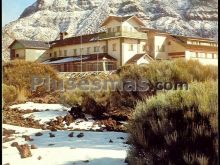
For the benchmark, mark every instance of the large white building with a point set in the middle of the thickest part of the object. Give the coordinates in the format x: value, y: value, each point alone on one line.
x: 125, y: 41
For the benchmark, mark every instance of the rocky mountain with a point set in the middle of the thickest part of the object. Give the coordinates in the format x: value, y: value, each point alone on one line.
x: 46, y: 18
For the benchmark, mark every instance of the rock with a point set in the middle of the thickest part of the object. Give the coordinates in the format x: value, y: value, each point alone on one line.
x: 71, y: 134
x: 38, y: 134
x: 76, y: 112
x: 126, y: 160
x: 8, y: 132
x: 90, y: 106
x: 14, y: 144
x: 51, y: 144
x: 110, y: 141
x: 24, y: 151
x: 120, y: 138
x: 68, y: 119
x: 7, y: 139
x: 86, y: 161
x: 27, y: 138
x: 39, y: 157
x: 33, y: 146
x: 51, y: 135
x: 53, y: 129
x: 80, y: 135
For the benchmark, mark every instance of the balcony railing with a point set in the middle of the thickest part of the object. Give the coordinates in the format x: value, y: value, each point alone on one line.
x: 138, y: 35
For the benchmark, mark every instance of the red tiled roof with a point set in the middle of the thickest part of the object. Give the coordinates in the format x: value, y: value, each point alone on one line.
x: 76, y: 40
x: 85, y: 58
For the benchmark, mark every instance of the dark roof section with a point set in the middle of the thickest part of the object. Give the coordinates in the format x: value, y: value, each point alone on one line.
x: 85, y: 58
x: 32, y: 44
x: 137, y: 57
x: 76, y: 40
x: 185, y: 38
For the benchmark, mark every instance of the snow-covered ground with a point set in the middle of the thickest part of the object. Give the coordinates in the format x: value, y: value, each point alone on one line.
x: 48, y: 112
x: 45, y: 116
x: 40, y: 107
x: 94, y: 147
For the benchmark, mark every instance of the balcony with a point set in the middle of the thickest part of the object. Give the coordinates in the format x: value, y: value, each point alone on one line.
x: 137, y: 35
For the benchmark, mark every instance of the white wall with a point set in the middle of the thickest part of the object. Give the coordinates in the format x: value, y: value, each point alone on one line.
x: 142, y: 60
x: 204, y: 61
x: 33, y: 54
x: 137, y: 48
x: 21, y: 53
x: 115, y: 54
x: 160, y: 41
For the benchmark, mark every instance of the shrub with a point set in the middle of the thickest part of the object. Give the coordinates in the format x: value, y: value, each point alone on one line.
x: 176, y: 127
x: 71, y: 98
x: 9, y: 93
x: 172, y: 71
x: 19, y: 74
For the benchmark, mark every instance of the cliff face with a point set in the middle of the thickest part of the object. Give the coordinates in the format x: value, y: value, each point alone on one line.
x: 46, y: 18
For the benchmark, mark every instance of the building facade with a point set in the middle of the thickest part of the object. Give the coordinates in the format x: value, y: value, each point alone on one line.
x: 125, y: 41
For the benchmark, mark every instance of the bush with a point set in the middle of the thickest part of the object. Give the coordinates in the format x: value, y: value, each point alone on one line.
x: 176, y: 127
x: 172, y: 71
x: 71, y: 98
x: 9, y: 93
x: 19, y: 74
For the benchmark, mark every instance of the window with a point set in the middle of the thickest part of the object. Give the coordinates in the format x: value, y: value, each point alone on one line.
x: 50, y: 54
x: 214, y: 56
x: 55, y: 54
x: 74, y: 52
x: 143, y: 47
x: 209, y: 55
x: 81, y: 50
x: 60, y: 53
x: 161, y: 48
x: 118, y: 28
x: 17, y: 55
x: 104, y: 48
x: 193, y: 54
x: 88, y: 50
x: 96, y: 49
x: 194, y: 42
x: 65, y: 52
x: 201, y: 55
x: 131, y: 47
x: 158, y: 48
x: 114, y: 47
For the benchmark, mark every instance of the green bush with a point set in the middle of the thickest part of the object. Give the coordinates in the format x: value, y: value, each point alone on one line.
x: 172, y: 71
x: 19, y: 74
x: 9, y: 93
x: 176, y: 127
x: 71, y: 98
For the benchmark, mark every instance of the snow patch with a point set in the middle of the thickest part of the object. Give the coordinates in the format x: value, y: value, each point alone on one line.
x: 40, y: 107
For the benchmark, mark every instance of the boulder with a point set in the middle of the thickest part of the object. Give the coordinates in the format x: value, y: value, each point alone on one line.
x: 38, y: 134
x: 24, y: 151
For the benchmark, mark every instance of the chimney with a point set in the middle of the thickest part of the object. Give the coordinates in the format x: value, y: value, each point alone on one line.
x: 63, y: 35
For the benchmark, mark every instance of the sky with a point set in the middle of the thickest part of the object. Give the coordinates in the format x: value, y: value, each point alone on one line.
x: 12, y: 9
